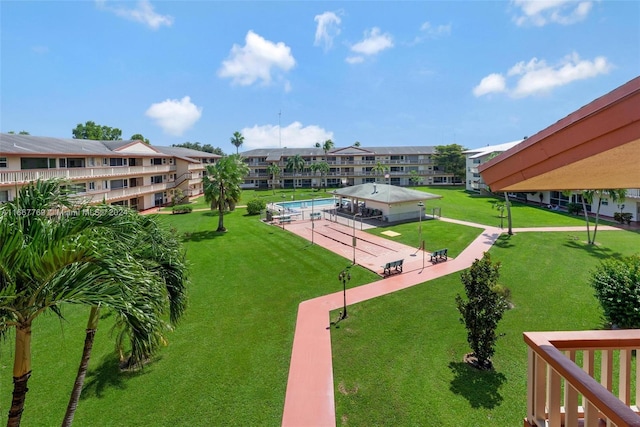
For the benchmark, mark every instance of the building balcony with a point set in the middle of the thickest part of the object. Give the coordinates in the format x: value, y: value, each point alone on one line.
x: 136, y: 191
x: 561, y: 392
x: 24, y: 176
x: 633, y: 193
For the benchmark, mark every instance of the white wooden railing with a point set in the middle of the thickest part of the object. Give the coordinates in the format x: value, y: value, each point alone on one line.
x: 19, y: 177
x: 562, y: 393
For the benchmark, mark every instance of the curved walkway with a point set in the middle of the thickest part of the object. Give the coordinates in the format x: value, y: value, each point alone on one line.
x: 309, y: 399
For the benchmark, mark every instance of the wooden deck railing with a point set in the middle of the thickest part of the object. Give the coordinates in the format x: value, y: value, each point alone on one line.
x: 561, y: 393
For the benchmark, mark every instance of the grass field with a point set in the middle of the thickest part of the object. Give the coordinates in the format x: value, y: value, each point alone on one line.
x: 227, y: 362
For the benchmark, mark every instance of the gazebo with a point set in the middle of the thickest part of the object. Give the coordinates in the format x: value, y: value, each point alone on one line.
x: 395, y: 203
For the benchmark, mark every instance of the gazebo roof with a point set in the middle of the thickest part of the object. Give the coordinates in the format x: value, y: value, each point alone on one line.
x: 384, y: 193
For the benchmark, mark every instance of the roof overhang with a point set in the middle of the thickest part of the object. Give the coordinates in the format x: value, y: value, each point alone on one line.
x: 596, y: 147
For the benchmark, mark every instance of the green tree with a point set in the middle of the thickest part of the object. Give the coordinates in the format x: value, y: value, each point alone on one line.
x: 22, y: 132
x: 451, y: 160
x: 274, y: 171
x: 207, y: 148
x: 616, y: 283
x: 90, y: 130
x: 222, y: 185
x: 615, y: 195
x: 356, y: 144
x: 380, y: 168
x: 295, y: 163
x: 139, y: 137
x: 323, y: 168
x: 237, y: 139
x: 326, y: 146
x: 415, y: 178
x: 51, y: 255
x: 161, y: 254
x: 483, y: 308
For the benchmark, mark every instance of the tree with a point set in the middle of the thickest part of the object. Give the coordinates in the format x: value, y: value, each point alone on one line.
x: 207, y: 148
x: 90, y: 130
x: 295, y: 163
x: 237, y: 139
x: 22, y: 132
x: 52, y: 254
x: 161, y: 254
x: 616, y: 195
x: 379, y: 168
x: 139, y: 137
x: 274, y: 171
x: 414, y: 178
x: 617, y: 286
x: 323, y: 168
x: 451, y: 160
x: 483, y: 308
x: 222, y: 185
x: 326, y: 147
x: 356, y: 144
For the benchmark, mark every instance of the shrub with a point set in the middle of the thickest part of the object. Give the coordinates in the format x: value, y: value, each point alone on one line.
x: 181, y: 210
x: 574, y: 208
x: 255, y: 206
x: 623, y: 217
x: 617, y: 288
x: 503, y: 291
x: 483, y: 308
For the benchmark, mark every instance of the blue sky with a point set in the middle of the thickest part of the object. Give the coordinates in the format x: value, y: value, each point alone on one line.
x: 292, y: 73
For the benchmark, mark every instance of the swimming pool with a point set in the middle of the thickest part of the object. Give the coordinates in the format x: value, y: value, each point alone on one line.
x: 306, y: 204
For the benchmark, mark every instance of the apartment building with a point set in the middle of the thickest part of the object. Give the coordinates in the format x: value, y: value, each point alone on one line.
x: 552, y: 199
x: 129, y: 173
x: 347, y: 166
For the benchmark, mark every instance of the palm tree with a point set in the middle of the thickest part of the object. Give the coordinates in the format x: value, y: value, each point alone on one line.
x: 274, y: 171
x: 222, y: 185
x: 161, y: 254
x: 326, y: 147
x: 52, y: 254
x: 323, y: 168
x: 295, y: 163
x: 616, y: 195
x: 237, y: 139
x: 379, y: 168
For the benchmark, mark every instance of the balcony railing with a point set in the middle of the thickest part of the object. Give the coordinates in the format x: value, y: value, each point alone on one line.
x: 633, y: 192
x: 20, y: 177
x: 562, y: 393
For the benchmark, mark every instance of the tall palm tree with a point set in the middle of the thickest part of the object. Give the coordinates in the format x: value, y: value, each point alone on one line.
x: 274, y: 171
x: 379, y: 168
x: 323, y: 168
x: 161, y: 254
x: 294, y: 164
x: 326, y: 147
x: 222, y: 185
x: 616, y: 195
x: 237, y: 139
x: 52, y: 254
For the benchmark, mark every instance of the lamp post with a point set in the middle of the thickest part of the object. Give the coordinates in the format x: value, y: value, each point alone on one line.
x: 420, y: 206
x: 312, y: 219
x: 354, y: 237
x: 344, y: 277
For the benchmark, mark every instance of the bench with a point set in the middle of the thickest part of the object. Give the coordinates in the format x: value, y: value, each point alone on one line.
x: 315, y: 215
x: 396, y: 265
x: 283, y: 219
x: 440, y: 255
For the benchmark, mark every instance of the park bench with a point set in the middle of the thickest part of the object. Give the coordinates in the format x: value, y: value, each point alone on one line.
x: 439, y: 255
x: 396, y: 265
x: 315, y: 215
x: 284, y: 219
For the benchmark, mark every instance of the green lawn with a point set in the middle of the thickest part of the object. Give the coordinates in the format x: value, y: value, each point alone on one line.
x: 227, y: 362
x: 397, y: 359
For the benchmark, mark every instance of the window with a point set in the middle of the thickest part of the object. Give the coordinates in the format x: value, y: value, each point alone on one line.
x: 105, y: 185
x: 156, y: 161
x: 37, y: 163
x: 4, y: 196
x: 3, y: 162
x: 105, y: 161
x: 92, y: 161
x: 75, y: 163
x: 92, y: 185
x: 156, y: 179
x: 119, y: 183
x: 62, y: 163
x: 117, y: 161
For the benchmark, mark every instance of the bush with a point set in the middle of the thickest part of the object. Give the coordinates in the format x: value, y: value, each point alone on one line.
x: 503, y: 291
x: 623, y: 217
x: 617, y: 288
x: 574, y: 208
x: 255, y: 206
x: 483, y: 309
x: 181, y: 210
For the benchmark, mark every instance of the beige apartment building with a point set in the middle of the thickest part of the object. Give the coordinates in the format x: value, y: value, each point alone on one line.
x: 348, y: 166
x: 129, y: 173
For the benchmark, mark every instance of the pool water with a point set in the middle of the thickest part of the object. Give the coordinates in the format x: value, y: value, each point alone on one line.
x: 304, y: 204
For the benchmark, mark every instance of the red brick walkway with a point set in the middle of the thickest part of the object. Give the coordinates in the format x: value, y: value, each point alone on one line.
x: 309, y: 399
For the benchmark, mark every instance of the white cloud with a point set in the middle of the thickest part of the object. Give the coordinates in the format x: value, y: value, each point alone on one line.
x: 293, y: 136
x: 327, y: 29
x: 175, y: 116
x: 536, y: 77
x: 428, y: 31
x: 255, y: 60
x: 543, y: 12
x: 143, y: 13
x: 373, y: 43
x: 491, y: 84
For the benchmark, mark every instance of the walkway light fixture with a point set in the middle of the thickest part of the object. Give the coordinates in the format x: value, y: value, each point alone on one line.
x: 354, y: 236
x: 344, y: 277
